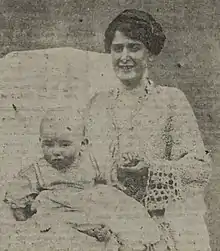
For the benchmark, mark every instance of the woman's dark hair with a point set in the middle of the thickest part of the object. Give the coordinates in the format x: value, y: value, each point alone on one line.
x: 138, y: 25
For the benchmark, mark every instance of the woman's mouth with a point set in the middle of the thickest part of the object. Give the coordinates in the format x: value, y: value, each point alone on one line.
x: 57, y: 159
x: 126, y: 67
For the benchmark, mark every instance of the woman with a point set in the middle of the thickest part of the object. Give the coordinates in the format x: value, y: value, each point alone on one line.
x: 147, y: 138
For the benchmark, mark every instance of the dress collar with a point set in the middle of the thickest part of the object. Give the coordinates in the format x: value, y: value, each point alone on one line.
x: 146, y: 88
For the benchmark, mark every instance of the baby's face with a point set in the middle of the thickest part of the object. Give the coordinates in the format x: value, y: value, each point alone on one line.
x: 61, y: 145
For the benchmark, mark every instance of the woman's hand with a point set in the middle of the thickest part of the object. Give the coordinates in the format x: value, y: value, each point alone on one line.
x: 132, y: 163
x: 140, y: 169
x: 130, y: 159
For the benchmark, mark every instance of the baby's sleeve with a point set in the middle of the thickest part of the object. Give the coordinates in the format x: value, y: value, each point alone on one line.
x: 22, y: 191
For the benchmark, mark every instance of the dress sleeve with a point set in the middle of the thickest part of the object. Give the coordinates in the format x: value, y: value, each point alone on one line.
x: 185, y: 151
x: 186, y: 167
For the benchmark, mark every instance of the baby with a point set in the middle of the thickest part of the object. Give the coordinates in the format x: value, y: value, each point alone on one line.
x: 65, y: 162
x: 58, y: 193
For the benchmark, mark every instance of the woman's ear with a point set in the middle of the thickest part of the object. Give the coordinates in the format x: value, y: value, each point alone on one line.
x: 150, y: 57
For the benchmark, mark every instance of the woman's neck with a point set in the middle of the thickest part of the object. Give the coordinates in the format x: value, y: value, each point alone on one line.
x: 143, y: 87
x: 131, y: 84
x: 139, y: 86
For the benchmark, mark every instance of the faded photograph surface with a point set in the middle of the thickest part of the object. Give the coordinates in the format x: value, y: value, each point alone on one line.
x: 103, y: 145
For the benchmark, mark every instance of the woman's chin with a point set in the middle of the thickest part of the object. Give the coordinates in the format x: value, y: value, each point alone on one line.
x: 126, y: 77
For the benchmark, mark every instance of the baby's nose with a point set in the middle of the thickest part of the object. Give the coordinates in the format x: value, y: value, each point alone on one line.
x: 57, y: 151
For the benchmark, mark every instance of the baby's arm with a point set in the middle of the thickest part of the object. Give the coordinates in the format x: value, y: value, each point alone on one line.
x: 23, y: 211
x: 99, y: 177
x: 103, y: 178
x: 21, y: 193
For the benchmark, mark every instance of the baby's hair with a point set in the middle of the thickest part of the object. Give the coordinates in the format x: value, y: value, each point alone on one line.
x: 71, y: 116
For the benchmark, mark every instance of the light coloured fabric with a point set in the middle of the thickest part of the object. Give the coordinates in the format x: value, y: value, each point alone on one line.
x: 161, y: 128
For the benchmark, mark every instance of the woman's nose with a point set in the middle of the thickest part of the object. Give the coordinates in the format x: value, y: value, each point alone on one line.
x: 124, y: 54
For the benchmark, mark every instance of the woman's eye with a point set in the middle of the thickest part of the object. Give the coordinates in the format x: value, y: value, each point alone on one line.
x: 134, y: 47
x: 117, y: 47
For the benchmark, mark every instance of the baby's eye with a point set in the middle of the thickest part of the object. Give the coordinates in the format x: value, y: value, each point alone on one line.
x: 48, y: 143
x: 65, y: 143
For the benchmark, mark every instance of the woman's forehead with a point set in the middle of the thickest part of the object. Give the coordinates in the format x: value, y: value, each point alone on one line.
x: 121, y: 38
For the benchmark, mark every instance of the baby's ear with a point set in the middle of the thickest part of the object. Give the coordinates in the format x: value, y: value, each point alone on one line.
x: 85, y: 142
x: 39, y: 139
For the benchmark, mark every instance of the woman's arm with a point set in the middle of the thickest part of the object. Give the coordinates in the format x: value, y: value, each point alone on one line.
x: 100, y: 131
x: 185, y: 154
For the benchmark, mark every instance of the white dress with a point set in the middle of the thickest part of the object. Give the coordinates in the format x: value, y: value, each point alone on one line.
x: 160, y: 127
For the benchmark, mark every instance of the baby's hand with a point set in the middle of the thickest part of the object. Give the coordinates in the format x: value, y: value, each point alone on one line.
x: 119, y: 186
x: 100, y: 179
x: 22, y: 213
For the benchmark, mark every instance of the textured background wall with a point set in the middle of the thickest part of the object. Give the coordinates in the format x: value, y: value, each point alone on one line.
x: 190, y: 59
x: 186, y: 61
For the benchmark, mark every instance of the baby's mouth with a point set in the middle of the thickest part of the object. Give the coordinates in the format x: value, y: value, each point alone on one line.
x: 58, y: 159
x: 61, y: 163
x: 58, y: 162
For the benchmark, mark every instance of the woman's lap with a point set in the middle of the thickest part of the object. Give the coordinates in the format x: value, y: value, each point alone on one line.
x: 102, y: 205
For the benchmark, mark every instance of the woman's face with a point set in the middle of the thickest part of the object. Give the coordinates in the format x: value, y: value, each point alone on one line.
x: 129, y: 58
